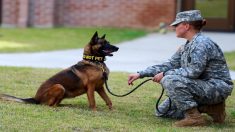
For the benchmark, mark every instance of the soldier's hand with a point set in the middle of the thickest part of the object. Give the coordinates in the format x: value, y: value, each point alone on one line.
x: 132, y: 78
x: 157, y: 78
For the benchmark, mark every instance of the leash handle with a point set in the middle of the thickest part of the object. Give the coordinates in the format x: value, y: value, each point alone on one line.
x: 122, y: 95
x: 157, y: 104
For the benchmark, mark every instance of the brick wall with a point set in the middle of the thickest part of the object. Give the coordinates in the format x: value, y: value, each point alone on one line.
x: 14, y: 13
x: 41, y: 13
x: 145, y: 14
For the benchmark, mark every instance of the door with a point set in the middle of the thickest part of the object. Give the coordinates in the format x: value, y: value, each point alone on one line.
x: 220, y: 14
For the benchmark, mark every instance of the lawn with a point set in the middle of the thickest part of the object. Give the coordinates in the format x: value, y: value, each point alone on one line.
x: 36, y: 39
x: 230, y: 57
x: 131, y: 113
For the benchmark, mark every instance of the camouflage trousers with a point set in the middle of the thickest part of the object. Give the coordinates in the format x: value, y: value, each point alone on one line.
x: 187, y: 93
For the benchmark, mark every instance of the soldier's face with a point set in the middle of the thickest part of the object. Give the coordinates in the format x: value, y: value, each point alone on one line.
x: 181, y: 30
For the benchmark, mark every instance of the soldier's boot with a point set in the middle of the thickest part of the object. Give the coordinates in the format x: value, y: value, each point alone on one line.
x: 216, y: 111
x: 192, y: 118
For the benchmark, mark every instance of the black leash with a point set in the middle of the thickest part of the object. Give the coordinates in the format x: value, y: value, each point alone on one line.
x: 122, y: 95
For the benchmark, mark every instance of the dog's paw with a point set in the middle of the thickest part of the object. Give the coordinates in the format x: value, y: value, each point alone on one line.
x: 94, y: 109
x: 110, y: 107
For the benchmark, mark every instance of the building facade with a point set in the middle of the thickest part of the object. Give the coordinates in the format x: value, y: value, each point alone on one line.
x: 144, y: 14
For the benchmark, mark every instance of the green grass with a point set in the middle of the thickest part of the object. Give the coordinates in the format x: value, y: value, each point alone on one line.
x: 230, y: 58
x: 131, y: 113
x: 36, y: 39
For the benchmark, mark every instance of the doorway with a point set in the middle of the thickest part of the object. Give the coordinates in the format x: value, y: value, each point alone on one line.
x: 220, y: 14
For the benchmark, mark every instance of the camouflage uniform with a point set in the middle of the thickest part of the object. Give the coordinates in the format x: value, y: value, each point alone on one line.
x: 196, y: 74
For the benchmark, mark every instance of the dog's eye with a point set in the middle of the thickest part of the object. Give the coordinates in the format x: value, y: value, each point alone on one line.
x: 106, y: 42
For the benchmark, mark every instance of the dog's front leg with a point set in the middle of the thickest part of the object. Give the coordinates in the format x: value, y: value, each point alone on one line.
x: 91, y: 97
x: 105, y: 97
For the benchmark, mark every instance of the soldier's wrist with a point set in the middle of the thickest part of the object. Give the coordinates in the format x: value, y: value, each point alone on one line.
x: 141, y: 75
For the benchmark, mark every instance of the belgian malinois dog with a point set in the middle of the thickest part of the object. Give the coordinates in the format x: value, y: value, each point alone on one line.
x: 87, y: 76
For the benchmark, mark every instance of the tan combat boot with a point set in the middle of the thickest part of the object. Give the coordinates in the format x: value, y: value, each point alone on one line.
x: 216, y: 111
x: 192, y: 118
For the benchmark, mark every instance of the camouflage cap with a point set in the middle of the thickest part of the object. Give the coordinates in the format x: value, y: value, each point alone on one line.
x: 187, y: 16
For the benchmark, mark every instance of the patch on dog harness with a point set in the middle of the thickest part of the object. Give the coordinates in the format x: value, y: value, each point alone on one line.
x: 94, y: 58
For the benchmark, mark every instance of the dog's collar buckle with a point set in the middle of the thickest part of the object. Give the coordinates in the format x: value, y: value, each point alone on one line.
x: 94, y: 58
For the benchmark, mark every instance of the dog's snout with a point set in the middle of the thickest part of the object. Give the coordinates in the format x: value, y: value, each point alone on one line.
x: 116, y: 48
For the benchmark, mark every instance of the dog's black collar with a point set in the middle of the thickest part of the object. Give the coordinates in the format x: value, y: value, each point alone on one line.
x: 93, y: 58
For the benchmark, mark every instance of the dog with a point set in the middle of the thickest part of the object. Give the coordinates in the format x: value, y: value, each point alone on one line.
x: 87, y: 76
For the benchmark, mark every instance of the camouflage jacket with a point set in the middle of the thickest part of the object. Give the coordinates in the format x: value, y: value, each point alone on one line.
x: 200, y: 58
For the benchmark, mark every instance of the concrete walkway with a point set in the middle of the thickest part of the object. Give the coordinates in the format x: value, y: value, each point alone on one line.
x: 132, y: 56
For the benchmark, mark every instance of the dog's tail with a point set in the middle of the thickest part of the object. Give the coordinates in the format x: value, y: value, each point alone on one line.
x: 20, y: 100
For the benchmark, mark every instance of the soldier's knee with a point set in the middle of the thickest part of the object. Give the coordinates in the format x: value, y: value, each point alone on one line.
x: 169, y: 81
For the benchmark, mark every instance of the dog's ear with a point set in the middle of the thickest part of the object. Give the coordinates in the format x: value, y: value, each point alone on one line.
x: 94, y: 39
x: 103, y: 37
